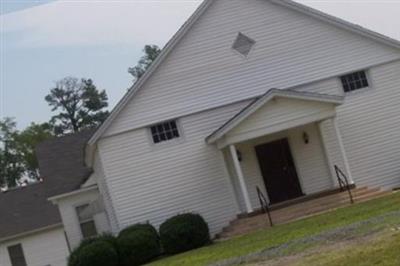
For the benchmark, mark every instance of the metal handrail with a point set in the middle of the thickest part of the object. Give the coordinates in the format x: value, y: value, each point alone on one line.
x: 343, y: 182
x: 264, y: 205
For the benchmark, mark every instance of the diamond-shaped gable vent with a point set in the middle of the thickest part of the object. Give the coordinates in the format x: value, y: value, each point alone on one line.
x: 243, y: 44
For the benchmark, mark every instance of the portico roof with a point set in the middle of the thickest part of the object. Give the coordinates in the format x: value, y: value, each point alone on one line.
x: 314, y: 112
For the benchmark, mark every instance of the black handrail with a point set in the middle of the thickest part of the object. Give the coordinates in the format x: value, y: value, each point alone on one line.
x: 343, y: 182
x: 264, y: 205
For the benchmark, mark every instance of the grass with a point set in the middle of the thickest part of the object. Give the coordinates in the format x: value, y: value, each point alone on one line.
x: 350, y: 236
x: 281, y: 234
x: 383, y: 251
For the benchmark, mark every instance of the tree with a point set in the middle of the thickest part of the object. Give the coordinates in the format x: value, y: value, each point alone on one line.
x: 26, y: 142
x: 80, y: 104
x: 11, y: 168
x: 18, y: 163
x: 151, y: 53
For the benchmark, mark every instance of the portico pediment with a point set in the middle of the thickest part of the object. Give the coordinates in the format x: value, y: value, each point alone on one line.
x: 275, y: 111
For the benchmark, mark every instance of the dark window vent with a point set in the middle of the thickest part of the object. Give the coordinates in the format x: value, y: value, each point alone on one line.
x: 164, y: 131
x: 243, y: 44
x: 354, y: 81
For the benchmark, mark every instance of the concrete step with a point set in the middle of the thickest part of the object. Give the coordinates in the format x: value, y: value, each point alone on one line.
x: 373, y: 195
x: 318, y: 201
x: 301, y: 199
x: 309, y: 205
x: 300, y: 211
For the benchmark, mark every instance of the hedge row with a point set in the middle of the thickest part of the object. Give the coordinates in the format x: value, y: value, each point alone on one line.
x: 141, y: 243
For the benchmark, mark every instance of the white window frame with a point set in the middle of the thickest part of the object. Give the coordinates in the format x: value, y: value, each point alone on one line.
x: 357, y: 91
x: 172, y: 141
x: 75, y: 206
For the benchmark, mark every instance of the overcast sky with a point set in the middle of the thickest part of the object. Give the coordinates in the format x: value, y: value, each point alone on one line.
x: 44, y: 41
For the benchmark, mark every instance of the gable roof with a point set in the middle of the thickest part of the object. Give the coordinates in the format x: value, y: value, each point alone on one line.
x: 160, y: 58
x: 61, y: 162
x: 62, y: 168
x: 261, y: 101
x: 197, y: 14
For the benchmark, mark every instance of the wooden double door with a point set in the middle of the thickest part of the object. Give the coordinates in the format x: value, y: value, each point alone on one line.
x: 278, y: 171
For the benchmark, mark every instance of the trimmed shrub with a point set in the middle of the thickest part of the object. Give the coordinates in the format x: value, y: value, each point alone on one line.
x: 138, y: 244
x: 184, y: 232
x: 101, y: 251
x: 140, y: 227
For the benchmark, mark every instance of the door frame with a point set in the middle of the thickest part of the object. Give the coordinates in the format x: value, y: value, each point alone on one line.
x: 294, y: 159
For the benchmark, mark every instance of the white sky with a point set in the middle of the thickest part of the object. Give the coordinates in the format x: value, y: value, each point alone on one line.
x: 66, y: 23
x: 75, y: 22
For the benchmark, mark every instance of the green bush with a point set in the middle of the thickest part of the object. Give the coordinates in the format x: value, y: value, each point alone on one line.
x: 99, y: 251
x: 184, y: 232
x: 138, y: 244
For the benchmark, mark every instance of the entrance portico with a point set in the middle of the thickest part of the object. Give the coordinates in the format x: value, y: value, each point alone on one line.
x: 284, y: 142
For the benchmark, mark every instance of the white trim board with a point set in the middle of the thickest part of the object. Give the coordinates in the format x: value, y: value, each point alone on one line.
x: 54, y: 199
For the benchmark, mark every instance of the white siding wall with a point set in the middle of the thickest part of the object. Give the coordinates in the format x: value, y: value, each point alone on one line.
x: 104, y: 191
x: 330, y: 86
x: 369, y: 123
x: 154, y: 182
x: 70, y: 219
x: 42, y: 248
x: 309, y: 159
x: 370, y: 127
x: 149, y: 182
x: 332, y: 148
x: 204, y: 72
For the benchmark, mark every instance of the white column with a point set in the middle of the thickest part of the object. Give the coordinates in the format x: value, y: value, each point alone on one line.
x: 230, y: 181
x: 240, y: 176
x: 327, y: 154
x: 342, y: 150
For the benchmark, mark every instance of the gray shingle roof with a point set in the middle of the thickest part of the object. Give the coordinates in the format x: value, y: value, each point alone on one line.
x: 62, y: 162
x: 26, y: 209
x: 62, y: 168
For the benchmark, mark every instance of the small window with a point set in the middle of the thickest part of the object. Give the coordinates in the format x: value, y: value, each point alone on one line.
x: 243, y: 44
x: 86, y: 222
x: 164, y: 131
x: 354, y: 81
x: 17, y: 257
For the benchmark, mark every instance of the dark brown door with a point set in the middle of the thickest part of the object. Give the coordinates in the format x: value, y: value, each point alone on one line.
x: 278, y: 170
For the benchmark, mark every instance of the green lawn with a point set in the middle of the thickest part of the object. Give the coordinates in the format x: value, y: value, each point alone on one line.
x: 281, y: 234
x: 383, y: 251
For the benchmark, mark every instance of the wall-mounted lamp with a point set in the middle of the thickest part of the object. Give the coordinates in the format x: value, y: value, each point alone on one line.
x: 306, y: 138
x: 239, y: 155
